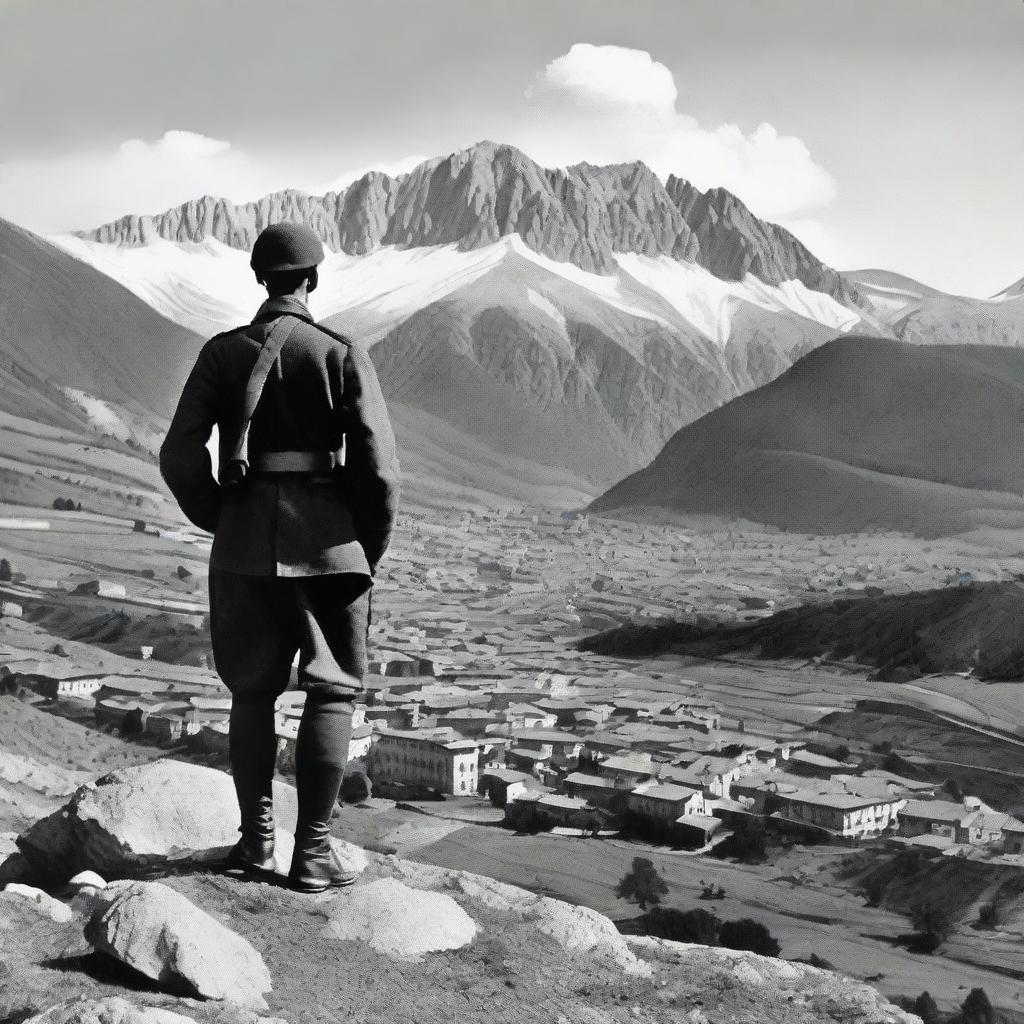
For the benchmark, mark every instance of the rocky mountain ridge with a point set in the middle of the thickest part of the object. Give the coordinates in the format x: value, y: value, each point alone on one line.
x: 581, y: 214
x: 407, y: 942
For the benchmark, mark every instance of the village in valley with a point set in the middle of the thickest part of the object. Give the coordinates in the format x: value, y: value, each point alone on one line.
x: 477, y: 691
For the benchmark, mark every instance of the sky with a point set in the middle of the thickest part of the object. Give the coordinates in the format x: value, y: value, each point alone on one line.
x: 884, y: 133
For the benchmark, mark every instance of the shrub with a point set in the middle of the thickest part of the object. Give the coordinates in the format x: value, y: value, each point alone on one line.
x: 697, y: 925
x: 745, y: 933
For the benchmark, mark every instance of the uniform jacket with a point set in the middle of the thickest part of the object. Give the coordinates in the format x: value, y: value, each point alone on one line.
x: 322, y: 393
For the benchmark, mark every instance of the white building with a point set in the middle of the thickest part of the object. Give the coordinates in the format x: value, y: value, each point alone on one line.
x: 414, y: 759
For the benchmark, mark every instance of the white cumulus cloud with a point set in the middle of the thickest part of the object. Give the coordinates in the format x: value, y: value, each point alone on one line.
x: 82, y: 190
x: 605, y: 104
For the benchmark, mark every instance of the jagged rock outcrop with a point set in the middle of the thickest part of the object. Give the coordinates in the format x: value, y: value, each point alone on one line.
x: 139, y: 819
x: 581, y: 215
x: 161, y: 934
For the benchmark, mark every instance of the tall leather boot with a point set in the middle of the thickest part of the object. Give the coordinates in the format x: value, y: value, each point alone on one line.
x: 252, y: 745
x: 321, y: 751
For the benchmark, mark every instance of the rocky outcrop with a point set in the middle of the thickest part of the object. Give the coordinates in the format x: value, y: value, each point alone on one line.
x: 407, y: 942
x: 582, y: 215
x: 161, y: 934
x: 147, y: 818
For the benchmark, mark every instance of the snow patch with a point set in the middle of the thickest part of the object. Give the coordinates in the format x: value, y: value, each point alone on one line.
x: 545, y: 305
x: 708, y: 303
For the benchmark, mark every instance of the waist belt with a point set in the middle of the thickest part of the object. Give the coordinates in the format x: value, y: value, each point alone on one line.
x: 296, y: 462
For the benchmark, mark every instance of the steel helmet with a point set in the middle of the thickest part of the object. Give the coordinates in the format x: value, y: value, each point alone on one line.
x: 286, y: 245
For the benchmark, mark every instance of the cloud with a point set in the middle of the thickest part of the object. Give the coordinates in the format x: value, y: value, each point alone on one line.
x: 82, y: 190
x: 607, y: 104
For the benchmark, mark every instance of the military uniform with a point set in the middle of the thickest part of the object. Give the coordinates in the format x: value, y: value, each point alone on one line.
x: 294, y: 553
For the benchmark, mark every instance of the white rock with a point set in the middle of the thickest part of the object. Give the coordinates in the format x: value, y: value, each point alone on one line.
x: 46, y: 904
x: 112, y: 1010
x: 398, y: 921
x: 138, y: 818
x: 87, y: 879
x: 160, y: 933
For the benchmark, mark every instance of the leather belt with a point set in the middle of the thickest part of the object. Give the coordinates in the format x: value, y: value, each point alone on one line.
x: 296, y: 462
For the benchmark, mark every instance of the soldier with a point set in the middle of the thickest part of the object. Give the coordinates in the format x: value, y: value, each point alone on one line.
x: 301, y: 512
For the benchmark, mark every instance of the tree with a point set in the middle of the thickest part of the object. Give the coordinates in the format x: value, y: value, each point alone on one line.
x: 745, y: 933
x: 927, y: 1009
x: 5, y: 570
x: 643, y: 884
x: 932, y: 918
x: 841, y: 753
x: 976, y: 1008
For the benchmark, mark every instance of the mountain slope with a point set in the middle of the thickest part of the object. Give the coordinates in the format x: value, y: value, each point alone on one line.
x: 84, y: 392
x: 860, y: 432
x: 69, y: 326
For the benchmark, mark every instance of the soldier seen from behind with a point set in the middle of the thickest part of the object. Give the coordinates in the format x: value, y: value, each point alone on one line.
x: 301, y: 512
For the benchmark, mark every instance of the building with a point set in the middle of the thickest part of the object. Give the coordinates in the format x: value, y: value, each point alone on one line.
x: 102, y: 588
x: 970, y: 822
x: 627, y: 771
x: 72, y: 686
x: 663, y: 803
x: 430, y: 762
x: 1013, y: 836
x: 596, y: 789
x: 503, y: 785
x: 562, y: 747
x: 696, y: 830
x: 839, y: 814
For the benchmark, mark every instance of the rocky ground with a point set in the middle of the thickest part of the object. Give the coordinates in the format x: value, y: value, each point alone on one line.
x: 165, y: 936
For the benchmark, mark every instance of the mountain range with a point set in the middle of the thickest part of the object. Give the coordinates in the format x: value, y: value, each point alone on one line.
x: 540, y: 333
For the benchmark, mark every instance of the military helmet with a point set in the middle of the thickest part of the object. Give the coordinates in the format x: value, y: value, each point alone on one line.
x: 286, y: 245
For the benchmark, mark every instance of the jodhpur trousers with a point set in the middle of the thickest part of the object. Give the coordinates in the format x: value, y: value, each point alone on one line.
x: 258, y: 624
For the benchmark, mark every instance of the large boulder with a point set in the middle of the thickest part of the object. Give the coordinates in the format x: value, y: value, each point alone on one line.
x: 112, y: 1010
x: 132, y: 822
x: 401, y: 922
x: 166, y: 937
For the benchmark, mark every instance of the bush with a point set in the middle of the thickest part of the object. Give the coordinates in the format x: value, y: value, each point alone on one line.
x: 748, y: 934
x: 749, y: 845
x: 5, y: 570
x: 698, y: 925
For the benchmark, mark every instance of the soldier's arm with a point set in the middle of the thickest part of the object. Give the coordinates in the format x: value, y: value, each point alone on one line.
x: 185, y: 462
x: 371, y: 455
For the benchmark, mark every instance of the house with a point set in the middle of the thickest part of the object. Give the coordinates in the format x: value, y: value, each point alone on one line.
x: 528, y: 716
x: 503, y: 785
x: 563, y: 746
x: 414, y: 759
x: 627, y: 770
x: 662, y: 803
x: 596, y: 789
x: 940, y: 818
x: 696, y: 830
x: 555, y: 811
x: 470, y: 722
x: 72, y: 686
x: 840, y: 814
x: 1013, y: 835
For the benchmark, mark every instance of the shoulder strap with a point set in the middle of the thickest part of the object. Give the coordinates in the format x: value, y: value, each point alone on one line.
x: 279, y: 333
